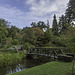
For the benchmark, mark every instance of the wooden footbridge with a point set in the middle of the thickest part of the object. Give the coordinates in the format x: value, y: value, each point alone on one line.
x: 49, y: 52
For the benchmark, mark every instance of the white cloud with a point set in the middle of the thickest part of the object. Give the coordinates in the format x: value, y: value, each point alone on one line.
x: 38, y: 10
x: 44, y: 7
x: 15, y: 16
x: 11, y: 14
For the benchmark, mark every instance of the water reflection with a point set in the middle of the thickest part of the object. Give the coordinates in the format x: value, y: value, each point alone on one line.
x: 24, y: 64
x: 17, y: 68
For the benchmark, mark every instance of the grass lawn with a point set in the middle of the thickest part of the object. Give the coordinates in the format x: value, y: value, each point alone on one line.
x: 51, y: 68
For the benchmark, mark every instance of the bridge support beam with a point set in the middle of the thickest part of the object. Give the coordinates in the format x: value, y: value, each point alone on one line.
x: 49, y: 52
x: 29, y: 56
x: 54, y: 57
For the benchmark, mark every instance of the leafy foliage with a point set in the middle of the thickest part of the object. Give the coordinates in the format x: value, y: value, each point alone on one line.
x: 28, y: 35
x: 39, y: 35
x: 10, y: 58
x: 48, y: 35
x: 40, y: 24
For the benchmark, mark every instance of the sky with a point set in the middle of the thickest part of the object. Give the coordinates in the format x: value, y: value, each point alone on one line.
x: 22, y: 13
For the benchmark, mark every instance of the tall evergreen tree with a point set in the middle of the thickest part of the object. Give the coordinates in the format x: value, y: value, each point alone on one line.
x: 70, y: 11
x: 63, y: 25
x: 55, y: 26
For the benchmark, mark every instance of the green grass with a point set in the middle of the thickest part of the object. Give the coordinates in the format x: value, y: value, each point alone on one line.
x: 51, y: 68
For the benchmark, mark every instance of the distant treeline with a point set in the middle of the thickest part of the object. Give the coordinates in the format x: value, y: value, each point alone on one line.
x: 62, y: 33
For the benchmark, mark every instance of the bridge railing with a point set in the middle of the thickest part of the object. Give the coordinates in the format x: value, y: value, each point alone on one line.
x: 48, y: 51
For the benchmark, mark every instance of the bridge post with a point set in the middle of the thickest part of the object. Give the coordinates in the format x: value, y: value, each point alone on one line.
x: 30, y: 51
x: 61, y: 51
x: 54, y: 56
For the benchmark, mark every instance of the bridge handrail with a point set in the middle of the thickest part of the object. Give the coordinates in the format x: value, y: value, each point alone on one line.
x: 42, y: 50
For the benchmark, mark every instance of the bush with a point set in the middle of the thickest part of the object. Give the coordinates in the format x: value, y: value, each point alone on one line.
x: 7, y: 58
x: 27, y: 46
x: 15, y: 42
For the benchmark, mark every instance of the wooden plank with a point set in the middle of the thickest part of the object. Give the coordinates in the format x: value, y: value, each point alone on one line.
x: 42, y: 55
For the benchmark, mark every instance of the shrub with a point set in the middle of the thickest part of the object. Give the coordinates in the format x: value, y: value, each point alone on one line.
x: 7, y: 58
x: 27, y: 46
x: 15, y: 42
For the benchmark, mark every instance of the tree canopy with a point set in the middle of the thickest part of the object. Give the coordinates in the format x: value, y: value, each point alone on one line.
x: 70, y: 11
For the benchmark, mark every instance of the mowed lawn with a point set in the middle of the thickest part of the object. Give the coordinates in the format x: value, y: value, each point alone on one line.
x: 51, y: 68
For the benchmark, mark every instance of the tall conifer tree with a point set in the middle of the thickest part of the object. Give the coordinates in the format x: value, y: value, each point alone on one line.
x: 70, y: 11
x: 63, y: 25
x: 55, y: 26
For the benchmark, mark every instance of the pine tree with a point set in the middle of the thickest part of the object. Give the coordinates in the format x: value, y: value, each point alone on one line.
x: 70, y: 11
x: 63, y: 26
x: 55, y: 26
x: 70, y: 15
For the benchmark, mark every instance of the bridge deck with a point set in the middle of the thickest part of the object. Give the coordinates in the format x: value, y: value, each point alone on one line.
x: 43, y: 55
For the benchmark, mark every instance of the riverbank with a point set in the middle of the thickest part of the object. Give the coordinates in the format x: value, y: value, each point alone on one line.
x: 51, y: 68
x: 7, y: 58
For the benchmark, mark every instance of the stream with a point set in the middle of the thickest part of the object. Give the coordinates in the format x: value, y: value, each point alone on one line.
x: 24, y: 64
